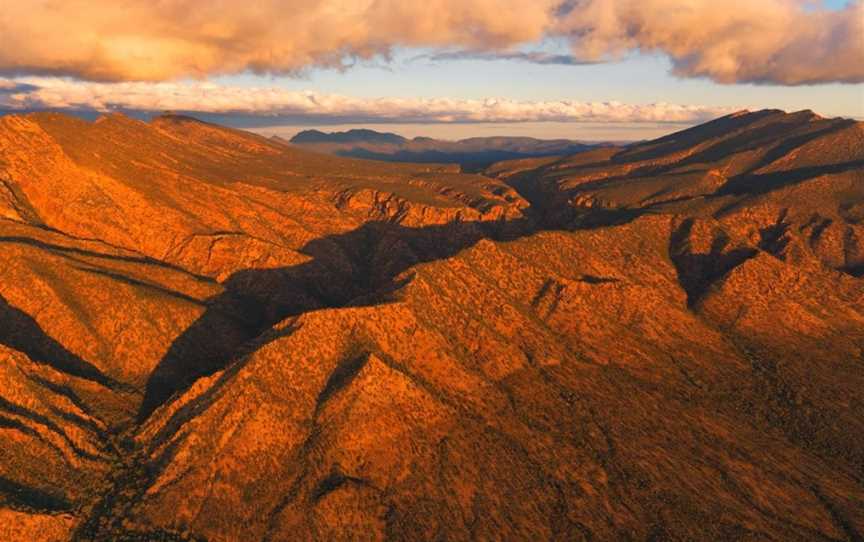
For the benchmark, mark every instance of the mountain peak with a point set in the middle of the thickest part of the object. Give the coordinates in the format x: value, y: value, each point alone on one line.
x: 176, y: 118
x: 349, y: 136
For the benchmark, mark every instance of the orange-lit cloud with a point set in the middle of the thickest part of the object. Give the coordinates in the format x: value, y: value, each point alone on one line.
x: 54, y: 93
x: 763, y: 41
x: 779, y: 41
x: 164, y: 39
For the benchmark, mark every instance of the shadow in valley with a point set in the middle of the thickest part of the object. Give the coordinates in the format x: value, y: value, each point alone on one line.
x: 751, y: 184
x: 356, y: 268
x: 469, y: 161
x: 697, y: 272
x: 19, y: 331
x: 361, y: 267
x: 20, y: 497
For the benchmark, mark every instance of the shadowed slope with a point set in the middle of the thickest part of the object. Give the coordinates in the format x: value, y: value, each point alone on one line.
x: 256, y: 300
x: 564, y: 376
x: 20, y: 331
x: 762, y: 183
x: 697, y: 272
x: 744, y: 170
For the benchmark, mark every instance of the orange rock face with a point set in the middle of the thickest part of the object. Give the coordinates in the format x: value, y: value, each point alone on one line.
x: 208, y: 335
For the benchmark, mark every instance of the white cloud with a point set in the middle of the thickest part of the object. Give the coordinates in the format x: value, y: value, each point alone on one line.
x: 202, y: 97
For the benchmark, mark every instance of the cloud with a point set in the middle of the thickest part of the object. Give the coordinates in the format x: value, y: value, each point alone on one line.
x: 766, y: 41
x: 204, y: 97
x: 534, y: 57
x: 787, y: 42
x: 115, y: 40
x: 15, y: 87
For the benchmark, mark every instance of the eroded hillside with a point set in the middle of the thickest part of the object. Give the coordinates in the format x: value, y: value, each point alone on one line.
x: 209, y: 335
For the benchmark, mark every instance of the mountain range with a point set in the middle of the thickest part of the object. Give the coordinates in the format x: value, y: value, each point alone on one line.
x: 473, y: 154
x: 207, y: 334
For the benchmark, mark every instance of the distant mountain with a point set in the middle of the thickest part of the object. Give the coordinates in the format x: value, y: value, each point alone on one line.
x: 351, y: 136
x: 472, y: 154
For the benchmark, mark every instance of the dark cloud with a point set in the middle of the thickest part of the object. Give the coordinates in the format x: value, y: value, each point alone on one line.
x: 532, y: 57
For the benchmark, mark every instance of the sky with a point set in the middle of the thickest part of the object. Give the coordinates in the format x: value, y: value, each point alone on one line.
x: 580, y: 69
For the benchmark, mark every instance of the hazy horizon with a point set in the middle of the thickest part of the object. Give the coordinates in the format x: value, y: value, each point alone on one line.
x: 588, y: 132
x: 600, y: 132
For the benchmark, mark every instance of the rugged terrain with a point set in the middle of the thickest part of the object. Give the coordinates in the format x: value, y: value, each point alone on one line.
x: 472, y: 154
x: 209, y: 335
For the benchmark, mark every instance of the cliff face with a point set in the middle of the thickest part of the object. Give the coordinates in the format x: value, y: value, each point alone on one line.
x: 210, y: 335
